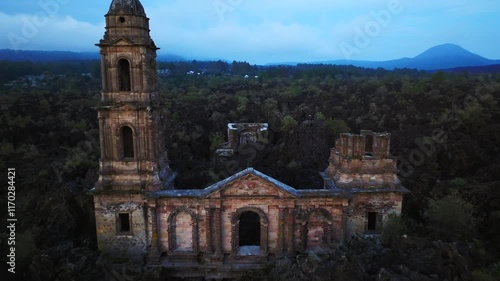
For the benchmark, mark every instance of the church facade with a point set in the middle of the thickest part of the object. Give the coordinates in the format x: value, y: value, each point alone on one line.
x: 238, y: 223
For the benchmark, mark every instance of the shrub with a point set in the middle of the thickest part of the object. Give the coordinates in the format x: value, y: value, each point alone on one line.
x: 216, y: 140
x: 458, y: 182
x: 450, y: 217
x: 288, y: 123
x: 392, y: 230
x: 336, y: 127
x: 479, y: 275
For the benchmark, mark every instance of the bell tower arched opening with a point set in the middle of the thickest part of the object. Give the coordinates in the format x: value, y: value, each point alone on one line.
x: 127, y: 136
x: 124, y: 75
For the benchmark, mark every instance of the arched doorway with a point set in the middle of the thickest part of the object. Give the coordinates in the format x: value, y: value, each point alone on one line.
x: 249, y: 232
x: 249, y: 229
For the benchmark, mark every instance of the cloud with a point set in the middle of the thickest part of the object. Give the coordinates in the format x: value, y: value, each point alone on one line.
x: 257, y: 31
x: 43, y: 32
x: 260, y: 31
x: 260, y: 43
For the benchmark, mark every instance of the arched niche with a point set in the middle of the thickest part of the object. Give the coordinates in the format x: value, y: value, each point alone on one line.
x: 183, y: 231
x: 316, y: 230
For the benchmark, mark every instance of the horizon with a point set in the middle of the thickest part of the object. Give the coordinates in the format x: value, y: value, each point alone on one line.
x: 264, y: 33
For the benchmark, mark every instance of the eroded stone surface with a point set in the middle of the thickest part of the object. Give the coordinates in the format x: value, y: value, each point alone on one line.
x: 140, y: 216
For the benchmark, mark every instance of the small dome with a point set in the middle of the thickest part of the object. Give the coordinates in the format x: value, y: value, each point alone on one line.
x: 127, y: 6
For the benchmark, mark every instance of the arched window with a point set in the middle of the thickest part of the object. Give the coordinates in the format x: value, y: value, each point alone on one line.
x: 124, y: 75
x: 127, y: 142
x: 369, y: 145
x: 248, y: 137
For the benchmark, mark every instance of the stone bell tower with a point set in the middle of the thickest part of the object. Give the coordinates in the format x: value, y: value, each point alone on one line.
x: 133, y: 155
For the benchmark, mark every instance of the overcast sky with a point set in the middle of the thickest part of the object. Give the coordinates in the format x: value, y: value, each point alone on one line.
x: 263, y: 31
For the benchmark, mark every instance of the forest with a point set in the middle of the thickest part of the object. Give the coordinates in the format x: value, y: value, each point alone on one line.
x: 444, y: 126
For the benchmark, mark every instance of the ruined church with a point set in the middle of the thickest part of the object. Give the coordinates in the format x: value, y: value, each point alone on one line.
x: 203, y: 232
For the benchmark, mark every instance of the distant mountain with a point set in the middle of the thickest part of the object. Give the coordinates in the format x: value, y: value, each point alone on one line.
x: 43, y: 56
x: 444, y: 56
x: 448, y: 56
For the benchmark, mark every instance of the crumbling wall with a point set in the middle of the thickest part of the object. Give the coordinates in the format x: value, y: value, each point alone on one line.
x: 133, y: 244
x: 181, y: 226
x: 381, y: 203
x: 363, y: 161
x: 235, y: 131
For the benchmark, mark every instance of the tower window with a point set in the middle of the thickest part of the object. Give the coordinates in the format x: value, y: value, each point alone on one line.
x: 124, y: 75
x: 122, y: 19
x: 127, y: 142
x: 124, y: 222
x: 369, y: 145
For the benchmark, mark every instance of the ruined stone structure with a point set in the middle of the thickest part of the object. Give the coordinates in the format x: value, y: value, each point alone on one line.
x: 241, y: 134
x: 236, y: 224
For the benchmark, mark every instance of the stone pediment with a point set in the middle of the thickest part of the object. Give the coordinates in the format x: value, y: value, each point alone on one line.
x: 122, y: 42
x: 251, y: 183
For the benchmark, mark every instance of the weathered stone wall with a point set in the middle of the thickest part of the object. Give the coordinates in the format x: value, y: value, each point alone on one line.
x: 183, y: 232
x: 362, y: 203
x: 142, y: 171
x: 363, y: 161
x: 179, y: 219
x: 235, y: 131
x: 285, y: 222
x: 127, y: 245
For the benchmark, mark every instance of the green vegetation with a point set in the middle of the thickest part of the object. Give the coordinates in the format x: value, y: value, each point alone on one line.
x: 444, y: 132
x: 450, y: 217
x: 393, y: 228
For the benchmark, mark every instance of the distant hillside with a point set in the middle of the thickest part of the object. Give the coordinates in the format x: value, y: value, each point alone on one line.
x: 43, y: 56
x: 170, y: 57
x: 444, y: 56
x: 492, y: 68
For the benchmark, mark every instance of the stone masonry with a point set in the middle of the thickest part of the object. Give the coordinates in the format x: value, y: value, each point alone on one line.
x: 204, y: 232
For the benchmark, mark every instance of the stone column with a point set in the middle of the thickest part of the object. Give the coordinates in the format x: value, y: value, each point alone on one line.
x: 208, y: 227
x: 217, y: 231
x: 102, y: 125
x: 281, y: 231
x: 154, y: 254
x: 289, y: 219
x: 104, y: 74
x: 344, y: 223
